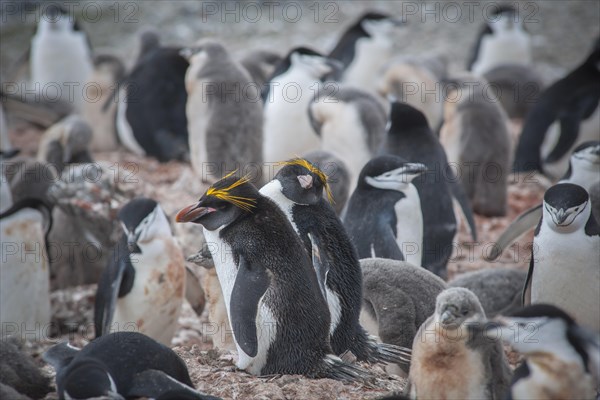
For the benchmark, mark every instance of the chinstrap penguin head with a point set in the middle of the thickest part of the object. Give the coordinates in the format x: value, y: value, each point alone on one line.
x: 377, y: 25
x: 389, y: 173
x: 309, y: 61
x: 456, y: 306
x: 586, y: 156
x: 89, y: 379
x: 538, y: 329
x: 143, y: 220
x: 302, y: 182
x: 57, y: 19
x: 224, y: 202
x: 566, y: 207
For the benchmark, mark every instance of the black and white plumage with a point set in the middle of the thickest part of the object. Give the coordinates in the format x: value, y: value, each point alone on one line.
x: 364, y: 48
x: 286, y: 96
x: 119, y: 365
x: 337, y: 173
x: 61, y: 56
x: 562, y: 359
x: 410, y: 137
x: 564, y: 269
x: 24, y: 287
x: 475, y: 136
x: 584, y: 170
x: 151, y: 118
x: 278, y: 314
x: 502, y: 40
x: 298, y: 190
x: 350, y: 123
x: 450, y: 363
x: 567, y: 103
x: 499, y: 290
x: 224, y: 114
x: 397, y: 298
x: 384, y: 217
x: 142, y: 287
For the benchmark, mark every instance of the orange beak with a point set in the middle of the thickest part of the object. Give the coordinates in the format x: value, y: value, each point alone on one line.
x: 192, y: 213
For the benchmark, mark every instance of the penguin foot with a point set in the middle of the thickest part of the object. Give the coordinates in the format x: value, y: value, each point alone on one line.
x: 337, y: 369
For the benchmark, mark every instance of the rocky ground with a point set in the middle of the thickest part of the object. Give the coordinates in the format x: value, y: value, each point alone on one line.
x: 564, y: 31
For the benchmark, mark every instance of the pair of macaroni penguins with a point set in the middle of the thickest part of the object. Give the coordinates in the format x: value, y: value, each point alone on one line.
x: 291, y: 279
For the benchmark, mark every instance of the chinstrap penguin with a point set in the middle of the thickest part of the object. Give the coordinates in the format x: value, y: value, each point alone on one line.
x: 584, y: 170
x: 562, y: 359
x: 410, y: 137
x: 384, y: 217
x: 564, y: 269
x: 451, y: 363
x: 365, y: 47
x: 567, y: 103
x: 151, y: 118
x: 119, y: 365
x: 302, y: 192
x: 502, y: 40
x: 278, y: 314
x: 142, y: 287
x: 286, y: 96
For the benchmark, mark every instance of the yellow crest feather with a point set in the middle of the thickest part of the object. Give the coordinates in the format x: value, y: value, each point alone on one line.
x: 245, y: 203
x: 304, y: 163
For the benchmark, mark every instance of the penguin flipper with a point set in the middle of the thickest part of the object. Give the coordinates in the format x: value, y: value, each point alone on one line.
x: 465, y: 205
x: 524, y: 222
x: 153, y: 383
x: 385, y: 245
x: 116, y: 281
x: 527, y: 288
x: 251, y: 283
x: 60, y: 355
x: 321, y: 267
x: 569, y: 130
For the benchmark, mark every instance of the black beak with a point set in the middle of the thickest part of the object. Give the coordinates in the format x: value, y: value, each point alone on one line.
x: 132, y: 245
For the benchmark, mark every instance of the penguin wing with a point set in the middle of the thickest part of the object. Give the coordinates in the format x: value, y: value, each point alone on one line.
x: 321, y: 266
x: 527, y: 288
x: 116, y: 281
x: 570, y: 119
x: 591, y: 344
x: 459, y: 194
x: 60, y: 355
x: 251, y: 283
x: 385, y: 245
x: 524, y: 222
x: 500, y: 372
x: 156, y: 384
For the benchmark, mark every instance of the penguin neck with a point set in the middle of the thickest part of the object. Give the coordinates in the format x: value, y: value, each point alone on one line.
x: 273, y: 190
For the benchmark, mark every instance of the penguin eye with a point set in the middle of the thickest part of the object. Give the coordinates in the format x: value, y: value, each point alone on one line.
x: 464, y: 312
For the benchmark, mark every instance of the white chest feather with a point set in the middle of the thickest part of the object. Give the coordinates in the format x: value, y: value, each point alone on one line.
x: 198, y: 117
x: 566, y: 274
x: 266, y: 325
x: 409, y: 226
x: 154, y: 302
x: 124, y: 129
x: 370, y: 56
x: 58, y: 57
x: 24, y: 287
x: 287, y: 131
x: 506, y: 47
x: 273, y: 191
x: 343, y: 135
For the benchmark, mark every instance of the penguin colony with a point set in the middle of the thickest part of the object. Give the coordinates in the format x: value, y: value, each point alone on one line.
x: 327, y: 223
